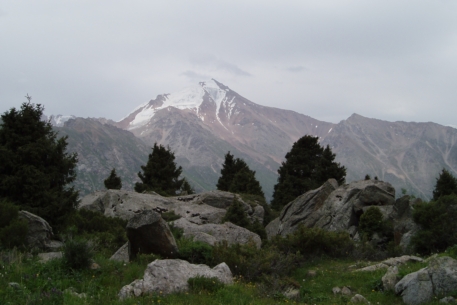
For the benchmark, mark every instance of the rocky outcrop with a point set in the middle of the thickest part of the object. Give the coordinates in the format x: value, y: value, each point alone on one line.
x: 393, y: 261
x: 333, y: 208
x: 404, y: 225
x: 39, y: 235
x: 215, y: 233
x: 209, y: 207
x: 148, y: 233
x: 438, y: 279
x: 171, y: 275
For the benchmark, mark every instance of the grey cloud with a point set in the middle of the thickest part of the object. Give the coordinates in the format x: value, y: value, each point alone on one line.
x: 195, y: 77
x: 296, y: 69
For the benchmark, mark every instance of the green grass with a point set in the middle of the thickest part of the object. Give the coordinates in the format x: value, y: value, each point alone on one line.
x: 46, y: 283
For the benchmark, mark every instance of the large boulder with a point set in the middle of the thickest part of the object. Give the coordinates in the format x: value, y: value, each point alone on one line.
x: 148, y: 233
x: 215, y: 233
x: 438, y: 279
x: 209, y: 207
x: 39, y: 234
x: 171, y: 275
x: 333, y: 208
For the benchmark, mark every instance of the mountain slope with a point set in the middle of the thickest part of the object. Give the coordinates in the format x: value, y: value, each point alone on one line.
x: 100, y: 148
x: 408, y: 155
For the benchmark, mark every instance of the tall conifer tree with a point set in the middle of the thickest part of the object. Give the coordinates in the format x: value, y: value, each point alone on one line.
x: 446, y: 184
x: 307, y: 166
x: 113, y: 182
x: 160, y: 174
x: 35, y: 169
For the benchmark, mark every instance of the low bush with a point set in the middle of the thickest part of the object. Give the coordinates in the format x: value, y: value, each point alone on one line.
x: 251, y: 263
x: 77, y: 254
x: 200, y: 284
x: 437, y: 221
x: 311, y: 242
x: 371, y: 221
x: 13, y: 230
x: 195, y: 252
x: 170, y: 216
x: 107, y: 233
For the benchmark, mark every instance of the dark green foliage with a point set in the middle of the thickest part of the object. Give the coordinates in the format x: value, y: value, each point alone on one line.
x: 160, y: 174
x: 269, y: 214
x: 109, y: 232
x: 237, y: 177
x: 77, y: 254
x: 8, y: 212
x: 307, y: 167
x: 200, y: 284
x: 437, y: 221
x: 186, y: 188
x: 446, y: 184
x: 367, y: 177
x: 35, y: 168
x: 13, y: 230
x: 252, y: 263
x: 113, y: 182
x: 170, y: 216
x: 313, y: 242
x: 195, y: 252
x: 14, y: 234
x: 236, y: 214
x: 371, y: 221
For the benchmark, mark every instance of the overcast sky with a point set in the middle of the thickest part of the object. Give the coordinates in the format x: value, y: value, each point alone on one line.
x: 390, y: 60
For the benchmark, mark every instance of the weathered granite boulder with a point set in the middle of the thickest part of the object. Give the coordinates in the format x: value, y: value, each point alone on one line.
x: 214, y: 233
x: 302, y: 211
x: 39, y: 235
x: 438, y: 279
x: 209, y: 207
x: 148, y: 233
x: 390, y: 279
x: 333, y: 208
x: 122, y: 254
x: 171, y: 275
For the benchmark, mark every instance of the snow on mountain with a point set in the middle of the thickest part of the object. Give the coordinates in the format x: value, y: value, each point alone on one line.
x: 189, y: 98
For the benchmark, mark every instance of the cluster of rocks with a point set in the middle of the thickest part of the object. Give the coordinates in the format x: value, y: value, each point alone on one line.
x: 338, y: 208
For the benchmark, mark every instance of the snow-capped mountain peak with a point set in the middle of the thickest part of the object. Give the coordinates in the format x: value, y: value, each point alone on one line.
x: 189, y: 98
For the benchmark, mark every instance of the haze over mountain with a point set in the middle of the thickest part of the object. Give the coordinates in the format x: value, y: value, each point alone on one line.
x: 202, y: 123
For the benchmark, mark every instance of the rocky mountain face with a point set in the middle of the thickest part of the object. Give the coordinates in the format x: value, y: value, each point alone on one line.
x: 407, y: 155
x: 202, y: 123
x: 100, y: 148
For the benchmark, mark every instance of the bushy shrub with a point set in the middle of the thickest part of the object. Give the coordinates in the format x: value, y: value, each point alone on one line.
x: 170, y: 216
x: 371, y: 221
x: 77, y: 254
x: 251, y: 263
x: 236, y: 214
x: 107, y: 232
x: 14, y: 234
x: 204, y: 284
x: 315, y: 242
x: 195, y: 252
x: 437, y: 222
x: 13, y: 230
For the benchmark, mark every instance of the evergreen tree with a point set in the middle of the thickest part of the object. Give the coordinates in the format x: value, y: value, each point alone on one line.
x: 236, y: 215
x: 35, y: 168
x: 446, y: 184
x: 186, y: 188
x: 307, y: 167
x: 237, y: 177
x: 244, y: 182
x: 113, y: 182
x: 160, y: 174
